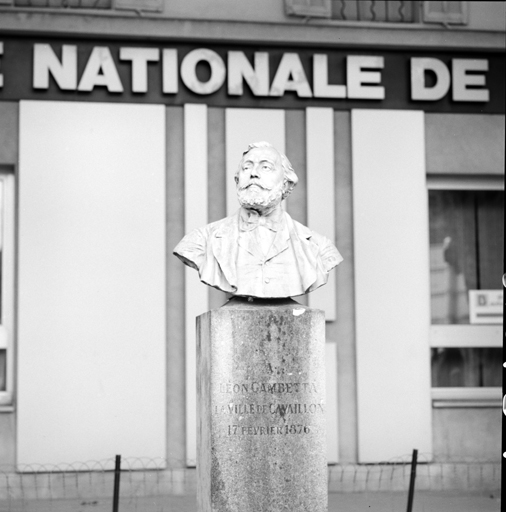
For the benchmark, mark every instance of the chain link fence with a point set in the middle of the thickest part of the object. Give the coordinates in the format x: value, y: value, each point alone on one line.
x: 149, y: 485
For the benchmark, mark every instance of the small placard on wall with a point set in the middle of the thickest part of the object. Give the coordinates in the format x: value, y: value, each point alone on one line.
x: 485, y: 306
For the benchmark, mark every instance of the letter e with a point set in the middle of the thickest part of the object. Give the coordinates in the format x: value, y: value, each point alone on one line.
x: 356, y: 77
x: 461, y: 80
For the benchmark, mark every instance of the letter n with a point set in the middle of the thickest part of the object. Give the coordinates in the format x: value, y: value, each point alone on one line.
x: 45, y: 61
x: 239, y: 69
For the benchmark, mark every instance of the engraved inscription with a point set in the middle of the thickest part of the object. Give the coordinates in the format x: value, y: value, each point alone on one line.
x: 243, y: 430
x: 247, y: 390
x: 268, y: 387
x: 280, y: 409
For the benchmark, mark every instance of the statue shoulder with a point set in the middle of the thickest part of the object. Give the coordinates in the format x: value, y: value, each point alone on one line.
x: 218, y: 227
x: 222, y: 227
x: 192, y: 249
x: 327, y: 251
x: 302, y: 231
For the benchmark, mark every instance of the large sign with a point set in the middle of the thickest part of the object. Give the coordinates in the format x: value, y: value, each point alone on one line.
x: 274, y: 77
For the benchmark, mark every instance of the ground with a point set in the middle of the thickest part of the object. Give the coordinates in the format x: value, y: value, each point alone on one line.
x: 424, y: 501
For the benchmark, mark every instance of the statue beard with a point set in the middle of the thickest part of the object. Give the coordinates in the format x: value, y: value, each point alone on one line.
x: 260, y: 198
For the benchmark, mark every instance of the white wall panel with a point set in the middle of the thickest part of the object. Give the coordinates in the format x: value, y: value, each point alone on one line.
x: 7, y: 284
x: 91, y: 317
x: 392, y: 297
x: 321, y: 194
x: 196, y: 293
x: 244, y: 126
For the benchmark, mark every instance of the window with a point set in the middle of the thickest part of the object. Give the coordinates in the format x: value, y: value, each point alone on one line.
x: 387, y: 11
x: 466, y: 258
x: 309, y: 8
x: 465, y: 249
x: 66, y: 4
x: 466, y: 367
x: 398, y: 11
x: 445, y: 12
x: 6, y: 286
x: 355, y: 10
x: 133, y: 5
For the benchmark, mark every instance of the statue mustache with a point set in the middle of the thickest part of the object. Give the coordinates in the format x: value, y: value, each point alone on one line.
x: 257, y: 183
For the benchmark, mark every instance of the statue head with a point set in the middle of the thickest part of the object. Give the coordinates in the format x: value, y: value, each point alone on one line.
x: 264, y: 177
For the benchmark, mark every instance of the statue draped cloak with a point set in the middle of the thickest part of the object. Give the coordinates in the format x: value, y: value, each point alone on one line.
x: 213, y: 251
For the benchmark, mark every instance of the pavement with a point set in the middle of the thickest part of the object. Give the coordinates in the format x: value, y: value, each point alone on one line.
x: 424, y: 501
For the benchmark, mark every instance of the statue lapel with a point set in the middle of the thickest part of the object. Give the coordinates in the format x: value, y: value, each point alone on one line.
x: 248, y: 241
x: 306, y: 251
x: 281, y: 242
x: 224, y: 247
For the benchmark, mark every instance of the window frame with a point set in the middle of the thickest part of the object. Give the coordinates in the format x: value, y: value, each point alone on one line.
x: 7, y: 332
x: 292, y: 8
x: 138, y: 5
x: 465, y: 335
x: 446, y: 18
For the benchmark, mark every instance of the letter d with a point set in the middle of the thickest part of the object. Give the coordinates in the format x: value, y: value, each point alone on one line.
x: 419, y: 91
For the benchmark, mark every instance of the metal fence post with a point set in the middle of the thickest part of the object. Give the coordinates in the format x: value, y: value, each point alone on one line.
x: 117, y: 476
x: 412, y: 481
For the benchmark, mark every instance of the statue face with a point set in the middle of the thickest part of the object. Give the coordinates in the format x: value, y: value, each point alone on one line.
x: 260, y: 181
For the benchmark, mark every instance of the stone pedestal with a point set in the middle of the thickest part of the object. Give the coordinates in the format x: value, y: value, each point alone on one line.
x: 261, y: 408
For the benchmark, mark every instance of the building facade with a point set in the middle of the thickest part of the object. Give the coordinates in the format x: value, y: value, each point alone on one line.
x: 121, y: 125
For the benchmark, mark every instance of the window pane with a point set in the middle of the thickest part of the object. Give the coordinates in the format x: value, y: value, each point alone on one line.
x: 466, y: 367
x: 392, y: 11
x: 1, y: 243
x: 3, y: 369
x: 65, y: 4
x: 465, y: 249
x: 490, y: 209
